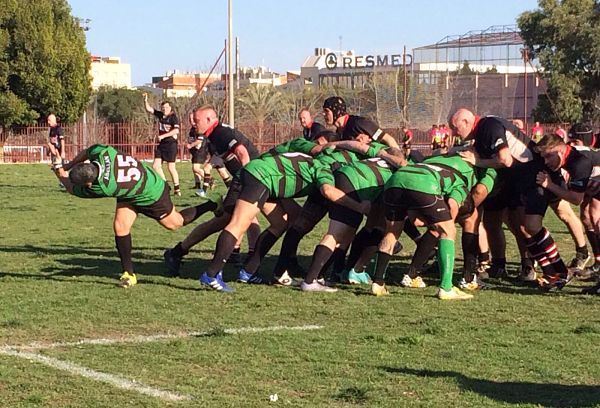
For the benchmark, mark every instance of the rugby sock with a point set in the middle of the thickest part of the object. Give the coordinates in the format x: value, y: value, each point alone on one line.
x: 224, y: 248
x: 338, y: 257
x: 227, y: 181
x: 595, y: 244
x: 484, y: 256
x: 446, y: 262
x: 123, y: 245
x: 411, y: 230
x: 319, y: 259
x: 191, y: 214
x: 265, y: 242
x: 178, y: 250
x: 424, y: 248
x: 289, y: 249
x: 253, y: 234
x: 470, y: 246
x: 499, y: 262
x: 208, y: 181
x: 581, y: 252
x: 176, y: 187
x: 543, y: 249
x: 358, y: 245
x: 383, y: 260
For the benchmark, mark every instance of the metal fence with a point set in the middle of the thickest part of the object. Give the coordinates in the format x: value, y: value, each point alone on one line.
x: 28, y: 144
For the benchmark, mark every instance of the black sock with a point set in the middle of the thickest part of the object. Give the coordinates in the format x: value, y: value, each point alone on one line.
x: 191, y: 214
x: 319, y: 259
x: 224, y: 248
x: 227, y: 181
x: 381, y: 265
x: 334, y: 259
x: 470, y: 247
x: 123, y: 245
x: 289, y: 249
x: 484, y: 256
x: 358, y: 245
x: 264, y: 243
x: 208, y: 181
x: 339, y: 260
x: 178, y: 251
x: 499, y: 262
x: 425, y: 246
x: 411, y: 230
x: 581, y: 252
x: 176, y: 187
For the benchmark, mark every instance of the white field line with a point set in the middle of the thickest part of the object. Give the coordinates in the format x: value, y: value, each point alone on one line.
x: 111, y: 379
x: 155, y: 337
x: 117, y: 381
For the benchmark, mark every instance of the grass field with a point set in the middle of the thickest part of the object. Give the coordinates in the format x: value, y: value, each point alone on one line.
x: 510, y: 346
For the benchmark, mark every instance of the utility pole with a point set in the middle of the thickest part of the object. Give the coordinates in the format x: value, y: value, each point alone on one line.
x: 230, y: 63
x: 525, y: 55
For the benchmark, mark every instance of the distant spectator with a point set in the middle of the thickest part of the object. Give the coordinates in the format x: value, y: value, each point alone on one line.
x: 407, y: 137
x: 560, y: 132
x: 56, y: 140
x: 436, y: 137
x: 537, y: 132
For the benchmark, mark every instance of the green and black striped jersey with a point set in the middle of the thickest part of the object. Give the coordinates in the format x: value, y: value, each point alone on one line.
x: 448, y: 176
x: 300, y: 145
x: 289, y: 175
x: 121, y: 176
x: 368, y: 177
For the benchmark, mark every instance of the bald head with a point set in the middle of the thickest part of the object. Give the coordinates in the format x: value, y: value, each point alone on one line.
x: 463, y: 121
x: 205, y: 117
x: 52, y: 120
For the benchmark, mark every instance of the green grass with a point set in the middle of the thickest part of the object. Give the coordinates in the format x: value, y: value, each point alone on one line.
x: 510, y: 346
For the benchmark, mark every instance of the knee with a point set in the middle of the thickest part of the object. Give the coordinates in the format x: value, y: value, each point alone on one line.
x: 121, y: 228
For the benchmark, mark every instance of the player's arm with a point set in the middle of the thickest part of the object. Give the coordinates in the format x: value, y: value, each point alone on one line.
x: 388, y: 140
x: 334, y: 194
x: 352, y: 145
x: 574, y: 197
x: 241, y: 153
x: 63, y: 177
x: 149, y: 108
x: 172, y: 132
x: 395, y: 161
x: 502, y: 159
x: 79, y: 158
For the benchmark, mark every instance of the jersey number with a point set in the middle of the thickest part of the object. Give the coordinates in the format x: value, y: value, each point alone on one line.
x: 127, y: 169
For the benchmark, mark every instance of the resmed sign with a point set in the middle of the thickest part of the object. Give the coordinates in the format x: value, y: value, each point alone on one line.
x: 332, y: 61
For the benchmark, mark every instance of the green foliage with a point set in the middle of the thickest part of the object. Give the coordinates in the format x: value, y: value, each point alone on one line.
x: 44, y: 65
x: 466, y: 69
x: 565, y: 37
x: 259, y: 103
x: 117, y: 105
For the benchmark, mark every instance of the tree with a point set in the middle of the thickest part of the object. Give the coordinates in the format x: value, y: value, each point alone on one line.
x: 44, y: 65
x: 565, y: 37
x: 259, y: 103
x: 117, y: 105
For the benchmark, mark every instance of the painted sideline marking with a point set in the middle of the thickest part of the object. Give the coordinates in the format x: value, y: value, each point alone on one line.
x: 115, y: 380
x: 26, y: 352
x: 155, y: 337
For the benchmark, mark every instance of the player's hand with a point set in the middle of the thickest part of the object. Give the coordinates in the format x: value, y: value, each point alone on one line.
x: 469, y: 156
x: 188, y: 146
x: 542, y: 179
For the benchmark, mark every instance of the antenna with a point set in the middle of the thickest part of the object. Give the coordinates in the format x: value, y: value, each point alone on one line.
x: 84, y: 23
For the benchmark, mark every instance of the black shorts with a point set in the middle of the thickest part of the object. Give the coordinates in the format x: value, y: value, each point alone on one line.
x: 233, y: 193
x: 158, y: 210
x: 253, y: 191
x: 534, y: 197
x: 505, y: 193
x: 432, y: 208
x: 166, y: 151
x: 216, y: 162
x: 341, y: 213
x: 198, y: 155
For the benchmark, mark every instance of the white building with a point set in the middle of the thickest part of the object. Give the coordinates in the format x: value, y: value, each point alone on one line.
x: 109, y: 71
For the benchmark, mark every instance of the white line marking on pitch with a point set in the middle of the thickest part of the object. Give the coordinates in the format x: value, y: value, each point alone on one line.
x: 115, y: 380
x: 121, y: 382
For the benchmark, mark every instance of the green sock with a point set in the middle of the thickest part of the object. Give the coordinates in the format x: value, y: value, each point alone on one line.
x: 445, y: 258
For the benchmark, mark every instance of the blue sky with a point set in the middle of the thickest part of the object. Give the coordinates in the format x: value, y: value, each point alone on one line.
x: 156, y: 36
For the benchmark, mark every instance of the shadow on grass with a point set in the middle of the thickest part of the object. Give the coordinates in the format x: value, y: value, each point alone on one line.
x: 547, y: 395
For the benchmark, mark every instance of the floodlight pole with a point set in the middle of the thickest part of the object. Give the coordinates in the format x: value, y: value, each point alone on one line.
x: 230, y: 64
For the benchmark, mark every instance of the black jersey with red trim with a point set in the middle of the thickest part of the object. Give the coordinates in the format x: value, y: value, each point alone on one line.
x: 223, y: 141
x: 581, y: 164
x: 493, y: 133
x: 166, y: 124
x: 311, y: 132
x: 355, y: 125
x: 55, y: 135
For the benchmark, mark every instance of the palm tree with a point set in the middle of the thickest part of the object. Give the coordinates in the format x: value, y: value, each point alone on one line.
x: 259, y: 103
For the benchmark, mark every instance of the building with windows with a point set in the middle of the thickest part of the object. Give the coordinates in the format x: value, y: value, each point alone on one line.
x: 183, y: 84
x: 110, y: 71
